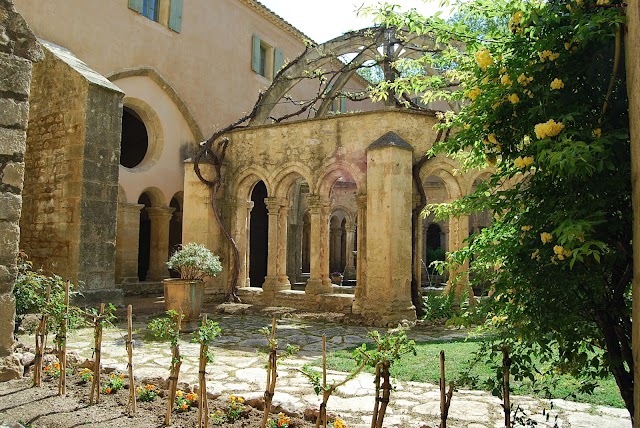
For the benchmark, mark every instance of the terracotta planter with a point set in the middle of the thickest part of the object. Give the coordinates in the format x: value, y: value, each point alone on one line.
x: 185, y: 295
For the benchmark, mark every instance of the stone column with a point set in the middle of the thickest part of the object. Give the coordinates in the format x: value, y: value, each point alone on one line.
x: 271, y: 280
x: 127, y: 242
x: 361, y: 260
x: 159, y: 251
x: 244, y: 273
x: 283, y: 217
x: 316, y: 284
x: 324, y: 245
x: 349, y: 268
x: 388, y: 295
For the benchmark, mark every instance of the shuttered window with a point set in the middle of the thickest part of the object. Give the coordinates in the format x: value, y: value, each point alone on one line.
x: 265, y: 59
x: 175, y: 15
x: 277, y: 61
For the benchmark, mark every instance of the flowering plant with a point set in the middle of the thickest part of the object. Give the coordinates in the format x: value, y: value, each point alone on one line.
x: 234, y: 411
x: 195, y: 262
x: 184, y: 402
x: 147, y: 393
x: 283, y: 421
x: 86, y: 375
x: 336, y: 273
x: 339, y: 423
x: 114, y: 384
x: 52, y: 370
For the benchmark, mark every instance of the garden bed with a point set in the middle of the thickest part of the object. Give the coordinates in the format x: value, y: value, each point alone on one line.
x: 42, y: 407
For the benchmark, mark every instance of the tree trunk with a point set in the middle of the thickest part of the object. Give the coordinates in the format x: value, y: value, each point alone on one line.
x: 632, y: 61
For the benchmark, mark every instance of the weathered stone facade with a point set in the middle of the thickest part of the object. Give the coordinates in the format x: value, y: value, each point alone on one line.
x: 18, y: 50
x: 71, y: 192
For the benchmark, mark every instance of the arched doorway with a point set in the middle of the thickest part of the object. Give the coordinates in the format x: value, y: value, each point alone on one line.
x: 258, y: 236
x: 175, y: 228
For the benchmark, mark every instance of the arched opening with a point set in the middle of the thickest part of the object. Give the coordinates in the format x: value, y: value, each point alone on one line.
x: 144, y: 238
x: 258, y: 236
x: 135, y: 139
x: 337, y: 242
x: 434, y: 235
x: 175, y: 228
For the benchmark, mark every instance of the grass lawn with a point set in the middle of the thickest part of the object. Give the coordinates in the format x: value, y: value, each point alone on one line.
x: 425, y: 367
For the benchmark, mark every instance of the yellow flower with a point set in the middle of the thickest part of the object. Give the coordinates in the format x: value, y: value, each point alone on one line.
x: 567, y: 45
x: 483, y: 58
x: 546, y: 237
x: 474, y: 93
x: 514, y: 22
x: 240, y: 400
x: 505, y: 80
x: 339, y: 423
x: 514, y: 98
x: 597, y: 132
x: 523, y: 162
x: 561, y: 252
x: 548, y: 54
x: 525, y: 228
x: 492, y: 139
x: 179, y: 393
x: 557, y: 84
x: 548, y: 129
x: 602, y: 2
x: 150, y: 387
x: 535, y: 255
x: 524, y: 80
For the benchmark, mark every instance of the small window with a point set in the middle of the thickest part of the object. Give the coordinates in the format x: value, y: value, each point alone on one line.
x: 265, y: 59
x: 165, y: 12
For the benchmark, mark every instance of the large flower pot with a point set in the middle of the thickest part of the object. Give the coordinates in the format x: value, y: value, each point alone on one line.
x: 186, y: 296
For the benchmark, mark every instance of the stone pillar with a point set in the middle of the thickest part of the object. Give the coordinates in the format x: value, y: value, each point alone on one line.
x: 244, y: 271
x: 271, y: 280
x: 324, y: 245
x: 18, y: 50
x: 283, y: 217
x: 349, y: 268
x: 361, y: 260
x: 388, y: 294
x: 316, y: 283
x: 127, y: 242
x: 159, y: 251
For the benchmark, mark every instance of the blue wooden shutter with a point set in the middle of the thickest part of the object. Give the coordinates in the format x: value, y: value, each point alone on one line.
x: 136, y: 5
x: 277, y: 61
x: 175, y: 15
x: 255, y: 54
x: 343, y: 105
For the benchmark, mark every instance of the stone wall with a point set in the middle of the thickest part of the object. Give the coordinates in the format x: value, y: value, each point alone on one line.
x: 18, y: 49
x: 71, y: 191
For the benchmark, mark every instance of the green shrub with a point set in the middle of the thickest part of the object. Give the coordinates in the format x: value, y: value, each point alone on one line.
x: 195, y: 262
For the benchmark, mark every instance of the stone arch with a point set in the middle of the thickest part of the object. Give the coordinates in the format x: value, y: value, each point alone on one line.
x: 288, y: 174
x: 164, y: 84
x: 473, y: 179
x: 243, y: 185
x: 155, y: 134
x: 333, y: 173
x: 349, y: 214
x: 443, y: 169
x: 155, y: 195
x: 175, y: 224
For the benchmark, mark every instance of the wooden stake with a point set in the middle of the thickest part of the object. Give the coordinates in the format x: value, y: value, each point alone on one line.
x: 271, y: 374
x: 506, y: 364
x: 176, y: 362
x: 203, y: 408
x: 62, y: 344
x: 97, y: 335
x: 41, y: 333
x: 445, y: 397
x: 132, y: 383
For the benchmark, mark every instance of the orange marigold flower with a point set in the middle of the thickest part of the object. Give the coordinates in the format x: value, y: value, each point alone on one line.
x: 107, y: 391
x: 150, y: 387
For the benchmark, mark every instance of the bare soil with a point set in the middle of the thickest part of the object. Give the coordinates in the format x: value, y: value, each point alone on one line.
x: 42, y: 407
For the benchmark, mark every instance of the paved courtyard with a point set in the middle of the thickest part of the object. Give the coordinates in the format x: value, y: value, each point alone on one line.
x: 240, y: 361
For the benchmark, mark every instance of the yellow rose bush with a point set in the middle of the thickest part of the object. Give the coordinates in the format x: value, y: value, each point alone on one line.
x: 544, y: 103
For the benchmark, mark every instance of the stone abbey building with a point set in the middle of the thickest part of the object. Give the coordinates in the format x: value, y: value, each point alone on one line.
x: 101, y: 132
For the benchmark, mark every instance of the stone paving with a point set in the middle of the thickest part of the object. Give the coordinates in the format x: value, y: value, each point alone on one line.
x: 240, y: 362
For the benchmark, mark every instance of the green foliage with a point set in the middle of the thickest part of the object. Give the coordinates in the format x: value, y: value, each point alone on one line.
x: 389, y: 348
x: 282, y: 421
x: 167, y: 328
x: 234, y: 411
x: 147, y: 393
x: 185, y: 401
x: 86, y: 375
x: 205, y: 334
x: 114, y: 384
x: 543, y: 108
x: 439, y: 307
x: 195, y: 262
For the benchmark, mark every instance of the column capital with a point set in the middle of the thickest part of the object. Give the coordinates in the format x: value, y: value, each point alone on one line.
x: 350, y: 228
x: 273, y: 204
x: 133, y: 208
x: 160, y: 212
x: 314, y: 201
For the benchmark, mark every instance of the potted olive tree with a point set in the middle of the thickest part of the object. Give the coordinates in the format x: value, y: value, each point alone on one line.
x: 194, y: 262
